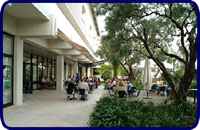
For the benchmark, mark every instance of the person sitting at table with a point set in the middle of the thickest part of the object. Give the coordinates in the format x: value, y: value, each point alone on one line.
x: 50, y: 84
x: 44, y: 83
x: 130, y: 88
x: 70, y: 89
x: 168, y: 90
x: 159, y: 84
x: 120, y: 87
x: 89, y: 85
x: 114, y: 84
x: 109, y: 85
x: 83, y: 85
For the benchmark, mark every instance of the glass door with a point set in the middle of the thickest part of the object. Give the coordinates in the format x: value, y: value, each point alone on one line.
x: 7, y: 80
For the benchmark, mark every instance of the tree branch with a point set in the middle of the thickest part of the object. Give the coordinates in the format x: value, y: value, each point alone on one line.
x: 172, y: 55
x: 141, y: 52
x: 184, y: 21
x: 122, y: 65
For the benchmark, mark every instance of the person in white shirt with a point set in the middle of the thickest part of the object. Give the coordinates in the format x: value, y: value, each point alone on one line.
x: 159, y: 84
x: 83, y: 85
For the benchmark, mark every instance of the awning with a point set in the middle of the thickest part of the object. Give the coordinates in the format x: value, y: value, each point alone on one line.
x: 78, y: 47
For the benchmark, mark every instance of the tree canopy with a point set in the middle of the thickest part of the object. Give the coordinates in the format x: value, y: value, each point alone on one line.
x: 138, y: 30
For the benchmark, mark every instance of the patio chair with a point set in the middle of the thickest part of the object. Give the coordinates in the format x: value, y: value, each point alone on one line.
x: 153, y: 88
x: 162, y: 89
x: 122, y: 94
x: 112, y: 94
x: 82, y: 94
x: 70, y: 94
x: 130, y: 92
x: 138, y: 93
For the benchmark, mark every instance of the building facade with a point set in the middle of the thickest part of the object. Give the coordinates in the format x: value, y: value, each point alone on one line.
x: 55, y: 40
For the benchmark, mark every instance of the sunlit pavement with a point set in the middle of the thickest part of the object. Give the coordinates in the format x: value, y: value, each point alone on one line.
x: 51, y: 108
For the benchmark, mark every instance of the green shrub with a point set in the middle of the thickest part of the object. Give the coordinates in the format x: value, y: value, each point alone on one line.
x: 113, y: 112
x: 138, y: 85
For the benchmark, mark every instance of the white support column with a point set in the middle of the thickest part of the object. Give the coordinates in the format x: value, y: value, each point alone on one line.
x: 60, y: 72
x: 83, y: 71
x: 75, y: 68
x: 71, y: 71
x: 88, y: 72
x: 66, y: 71
x: 18, y: 71
x: 91, y: 71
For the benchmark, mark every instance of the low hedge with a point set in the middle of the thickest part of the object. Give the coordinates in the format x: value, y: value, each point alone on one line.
x: 113, y: 112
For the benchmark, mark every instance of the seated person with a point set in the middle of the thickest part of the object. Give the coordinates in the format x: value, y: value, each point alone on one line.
x: 70, y: 89
x: 44, y: 83
x: 113, y: 83
x: 83, y: 85
x: 168, y: 90
x: 109, y: 85
x: 50, y: 84
x: 130, y: 88
x: 89, y: 85
x: 120, y: 87
x: 153, y: 87
x: 159, y: 84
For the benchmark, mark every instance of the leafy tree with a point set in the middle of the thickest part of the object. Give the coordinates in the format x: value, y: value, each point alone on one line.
x: 122, y: 72
x: 106, y: 71
x: 150, y: 29
x: 115, y: 66
x: 115, y: 50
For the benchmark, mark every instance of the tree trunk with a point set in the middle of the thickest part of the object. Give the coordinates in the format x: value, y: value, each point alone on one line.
x: 131, y: 75
x: 185, y: 83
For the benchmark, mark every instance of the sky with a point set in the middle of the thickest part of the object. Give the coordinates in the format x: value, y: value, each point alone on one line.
x: 101, y: 24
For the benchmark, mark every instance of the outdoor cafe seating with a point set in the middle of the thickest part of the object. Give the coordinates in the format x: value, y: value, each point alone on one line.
x: 71, y: 94
x: 153, y: 87
x: 83, y: 96
x: 130, y: 92
x: 162, y: 89
x: 122, y: 94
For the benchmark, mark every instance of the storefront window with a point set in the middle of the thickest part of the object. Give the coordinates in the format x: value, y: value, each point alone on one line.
x: 7, y: 44
x: 34, y: 60
x: 50, y: 68
x: 7, y: 69
x: 34, y: 76
x: 7, y: 80
x: 27, y: 58
x: 45, y: 66
x: 40, y: 68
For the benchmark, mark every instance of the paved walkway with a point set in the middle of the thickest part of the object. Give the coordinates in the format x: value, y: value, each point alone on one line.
x: 49, y: 108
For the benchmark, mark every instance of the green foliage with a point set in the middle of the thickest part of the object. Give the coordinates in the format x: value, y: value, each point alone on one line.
x: 106, y: 86
x: 115, y: 66
x: 138, y: 85
x: 106, y: 71
x: 194, y: 84
x: 121, y: 71
x: 97, y: 71
x: 113, y: 112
